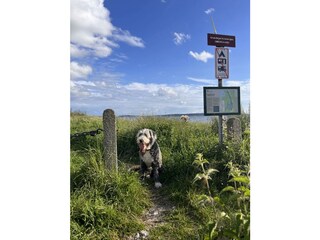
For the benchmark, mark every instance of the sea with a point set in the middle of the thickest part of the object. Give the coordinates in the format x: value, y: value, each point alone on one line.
x: 193, y: 117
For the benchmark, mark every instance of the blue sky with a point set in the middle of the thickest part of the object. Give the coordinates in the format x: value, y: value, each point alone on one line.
x: 151, y: 56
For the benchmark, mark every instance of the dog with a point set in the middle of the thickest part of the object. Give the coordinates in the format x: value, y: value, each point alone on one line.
x: 150, y: 154
x: 184, y: 118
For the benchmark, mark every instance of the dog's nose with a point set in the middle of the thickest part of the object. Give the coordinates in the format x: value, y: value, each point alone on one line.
x: 141, y: 141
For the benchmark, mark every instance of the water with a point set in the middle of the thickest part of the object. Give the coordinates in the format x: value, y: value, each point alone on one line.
x: 192, y: 117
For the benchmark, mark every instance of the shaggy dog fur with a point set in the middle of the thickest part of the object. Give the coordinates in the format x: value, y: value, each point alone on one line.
x: 150, y: 154
x: 184, y: 118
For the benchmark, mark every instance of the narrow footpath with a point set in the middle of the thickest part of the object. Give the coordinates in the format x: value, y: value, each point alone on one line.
x: 155, y: 216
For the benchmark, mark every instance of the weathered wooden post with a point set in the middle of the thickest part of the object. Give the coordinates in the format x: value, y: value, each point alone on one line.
x: 110, y: 140
x: 234, y: 129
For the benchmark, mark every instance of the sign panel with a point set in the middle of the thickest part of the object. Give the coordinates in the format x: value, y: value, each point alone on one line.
x: 222, y: 63
x: 219, y: 40
x: 221, y: 101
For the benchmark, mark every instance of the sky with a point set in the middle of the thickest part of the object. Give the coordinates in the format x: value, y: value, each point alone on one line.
x: 150, y: 57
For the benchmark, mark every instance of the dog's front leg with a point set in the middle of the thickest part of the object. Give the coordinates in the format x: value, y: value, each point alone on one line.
x: 155, y: 174
x: 143, y: 169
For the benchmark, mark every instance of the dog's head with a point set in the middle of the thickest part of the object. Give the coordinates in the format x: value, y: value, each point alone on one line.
x: 145, y: 139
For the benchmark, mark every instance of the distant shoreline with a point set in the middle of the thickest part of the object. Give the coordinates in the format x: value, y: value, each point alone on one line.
x: 163, y: 115
x: 193, y: 117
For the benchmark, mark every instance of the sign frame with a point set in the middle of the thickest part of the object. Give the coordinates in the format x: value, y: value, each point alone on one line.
x: 220, y: 40
x: 206, y: 113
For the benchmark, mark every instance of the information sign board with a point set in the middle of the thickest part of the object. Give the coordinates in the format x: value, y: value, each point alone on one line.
x: 221, y: 101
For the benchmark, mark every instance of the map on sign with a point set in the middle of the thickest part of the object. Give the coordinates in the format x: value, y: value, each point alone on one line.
x: 221, y: 100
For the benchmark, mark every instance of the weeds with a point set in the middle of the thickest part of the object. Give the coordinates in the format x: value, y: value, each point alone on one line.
x: 230, y: 214
x: 212, y: 198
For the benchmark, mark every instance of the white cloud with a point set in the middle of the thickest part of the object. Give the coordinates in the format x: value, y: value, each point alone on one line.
x: 125, y: 36
x: 77, y: 52
x: 137, y: 98
x: 210, y: 10
x: 145, y: 98
x: 167, y: 92
x: 92, y: 31
x: 203, y: 56
x: 78, y: 71
x: 180, y: 38
x: 111, y: 78
x: 85, y: 83
x: 119, y: 58
x: 201, y: 80
x: 91, y: 26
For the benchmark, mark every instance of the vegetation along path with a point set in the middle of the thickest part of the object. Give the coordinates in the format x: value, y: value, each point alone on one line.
x: 119, y: 206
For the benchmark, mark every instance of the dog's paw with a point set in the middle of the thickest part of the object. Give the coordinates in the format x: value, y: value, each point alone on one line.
x: 158, y: 185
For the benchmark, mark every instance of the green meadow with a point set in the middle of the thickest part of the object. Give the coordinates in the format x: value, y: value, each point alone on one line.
x: 208, y: 183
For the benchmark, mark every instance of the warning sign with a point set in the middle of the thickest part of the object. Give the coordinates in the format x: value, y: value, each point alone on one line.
x: 222, y: 63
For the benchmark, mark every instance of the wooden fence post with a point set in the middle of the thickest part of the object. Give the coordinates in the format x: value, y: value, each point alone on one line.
x: 110, y: 140
x: 234, y: 129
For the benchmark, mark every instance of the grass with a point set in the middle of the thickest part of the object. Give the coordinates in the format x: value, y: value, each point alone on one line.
x: 178, y: 226
x: 107, y: 205
x: 104, y: 205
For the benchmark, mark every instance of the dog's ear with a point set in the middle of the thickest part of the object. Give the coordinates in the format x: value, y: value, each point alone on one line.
x: 138, y: 134
x: 153, y: 137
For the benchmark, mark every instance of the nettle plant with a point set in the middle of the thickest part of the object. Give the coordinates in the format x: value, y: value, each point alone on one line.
x: 204, y: 176
x: 230, y: 207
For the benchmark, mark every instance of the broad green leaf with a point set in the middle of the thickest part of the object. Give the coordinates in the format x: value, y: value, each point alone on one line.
x: 247, y: 193
x: 211, y: 170
x: 199, y: 176
x: 217, y: 199
x: 242, y: 179
x: 224, y: 215
x: 242, y: 188
x: 204, y: 199
x: 227, y: 189
x: 200, y: 161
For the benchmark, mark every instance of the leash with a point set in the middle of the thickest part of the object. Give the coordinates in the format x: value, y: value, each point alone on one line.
x: 91, y: 133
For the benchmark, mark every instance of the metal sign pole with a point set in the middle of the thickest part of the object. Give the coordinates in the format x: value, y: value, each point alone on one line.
x: 221, y: 63
x: 220, y: 118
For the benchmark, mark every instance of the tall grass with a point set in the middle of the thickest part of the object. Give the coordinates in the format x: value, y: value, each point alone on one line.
x: 106, y: 205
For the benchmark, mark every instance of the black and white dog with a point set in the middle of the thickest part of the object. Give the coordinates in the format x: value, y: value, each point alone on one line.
x: 150, y: 154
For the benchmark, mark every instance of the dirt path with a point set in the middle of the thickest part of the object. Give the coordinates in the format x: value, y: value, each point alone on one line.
x: 155, y: 216
x: 161, y: 207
